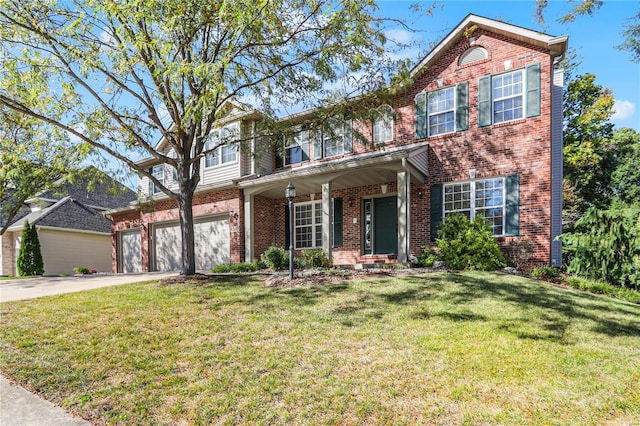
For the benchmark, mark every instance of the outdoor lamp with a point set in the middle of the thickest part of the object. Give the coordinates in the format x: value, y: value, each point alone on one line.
x: 290, y: 193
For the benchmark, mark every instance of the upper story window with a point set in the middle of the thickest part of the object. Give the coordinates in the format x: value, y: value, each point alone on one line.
x: 297, y: 148
x: 383, y: 125
x: 158, y: 173
x: 473, y: 54
x: 441, y: 111
x: 222, y: 148
x: 509, y: 96
x: 337, y: 138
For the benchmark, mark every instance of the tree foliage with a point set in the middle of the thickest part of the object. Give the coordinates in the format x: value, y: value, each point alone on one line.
x: 29, y: 260
x: 33, y: 157
x: 118, y: 75
x: 606, y: 244
x: 589, y: 153
x: 632, y: 38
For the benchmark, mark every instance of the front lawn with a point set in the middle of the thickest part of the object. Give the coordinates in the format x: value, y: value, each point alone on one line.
x: 443, y: 348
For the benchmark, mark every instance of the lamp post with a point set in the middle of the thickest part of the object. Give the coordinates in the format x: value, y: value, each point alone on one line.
x: 290, y: 193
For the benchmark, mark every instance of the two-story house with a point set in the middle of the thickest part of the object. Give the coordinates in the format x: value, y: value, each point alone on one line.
x: 479, y: 133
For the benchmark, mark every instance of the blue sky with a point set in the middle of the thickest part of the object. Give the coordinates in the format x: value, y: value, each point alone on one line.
x: 593, y: 37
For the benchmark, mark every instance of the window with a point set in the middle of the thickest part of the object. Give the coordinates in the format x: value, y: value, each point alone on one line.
x: 484, y: 198
x: 383, y: 125
x: 507, y: 96
x: 337, y: 139
x: 227, y: 149
x: 441, y: 111
x: 308, y: 225
x: 158, y: 173
x: 297, y: 149
x: 473, y: 54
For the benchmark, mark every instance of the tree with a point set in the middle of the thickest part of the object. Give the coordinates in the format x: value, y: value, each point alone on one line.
x: 121, y: 74
x: 625, y: 178
x: 589, y: 153
x: 33, y: 157
x: 606, y: 244
x: 30, y: 257
x: 632, y: 38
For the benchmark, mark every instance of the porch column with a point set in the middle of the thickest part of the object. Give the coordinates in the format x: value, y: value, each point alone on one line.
x: 403, y: 215
x: 248, y: 227
x: 327, y: 219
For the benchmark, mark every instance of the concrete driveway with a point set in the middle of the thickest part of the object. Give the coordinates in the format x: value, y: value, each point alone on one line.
x: 30, y: 288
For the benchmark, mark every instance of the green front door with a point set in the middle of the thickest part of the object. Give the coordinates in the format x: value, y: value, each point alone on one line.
x: 385, y: 225
x: 380, y: 232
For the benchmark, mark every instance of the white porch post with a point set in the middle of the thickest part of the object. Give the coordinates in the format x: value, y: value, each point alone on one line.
x: 403, y: 215
x: 327, y: 219
x: 248, y: 227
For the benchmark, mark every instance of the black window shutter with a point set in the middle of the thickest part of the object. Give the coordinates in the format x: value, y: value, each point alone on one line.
x: 279, y: 161
x: 287, y: 231
x: 512, y: 207
x: 337, y: 222
x: 462, y: 106
x: 436, y: 210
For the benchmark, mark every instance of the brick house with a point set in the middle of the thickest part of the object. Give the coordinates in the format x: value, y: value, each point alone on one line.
x: 479, y: 133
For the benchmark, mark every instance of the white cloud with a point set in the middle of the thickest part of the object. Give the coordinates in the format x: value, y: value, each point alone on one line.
x: 400, y: 36
x: 623, y: 110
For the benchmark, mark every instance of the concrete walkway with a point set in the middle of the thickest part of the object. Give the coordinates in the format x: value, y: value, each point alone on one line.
x: 19, y: 407
x: 30, y: 288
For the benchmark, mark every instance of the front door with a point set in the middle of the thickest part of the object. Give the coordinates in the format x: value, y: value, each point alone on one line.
x: 380, y: 225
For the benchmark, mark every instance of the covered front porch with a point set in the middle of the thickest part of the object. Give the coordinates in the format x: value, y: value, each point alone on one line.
x: 357, y: 209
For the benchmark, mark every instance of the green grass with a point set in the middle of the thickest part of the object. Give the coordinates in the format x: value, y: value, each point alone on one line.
x: 467, y: 348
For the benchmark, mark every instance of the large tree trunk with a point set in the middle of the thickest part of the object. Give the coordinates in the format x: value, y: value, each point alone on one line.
x: 185, y: 210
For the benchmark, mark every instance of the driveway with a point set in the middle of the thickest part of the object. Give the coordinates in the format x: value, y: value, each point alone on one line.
x: 30, y: 288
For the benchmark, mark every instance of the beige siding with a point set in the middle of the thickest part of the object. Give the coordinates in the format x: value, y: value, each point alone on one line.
x: 7, y: 259
x: 62, y: 251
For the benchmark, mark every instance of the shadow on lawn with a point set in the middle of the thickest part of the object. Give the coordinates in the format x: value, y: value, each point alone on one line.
x: 559, y: 309
x: 553, y: 312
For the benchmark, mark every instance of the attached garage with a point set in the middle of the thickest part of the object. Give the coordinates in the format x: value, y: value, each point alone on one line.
x: 212, y: 244
x: 129, y: 251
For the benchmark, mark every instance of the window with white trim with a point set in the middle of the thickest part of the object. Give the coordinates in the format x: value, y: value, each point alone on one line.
x: 482, y: 197
x: 308, y: 225
x: 158, y: 173
x: 297, y: 148
x: 508, y: 97
x: 383, y: 125
x: 441, y: 111
x: 337, y: 139
x: 225, y: 139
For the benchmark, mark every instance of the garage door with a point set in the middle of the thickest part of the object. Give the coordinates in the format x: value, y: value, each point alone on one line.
x: 211, y: 237
x: 130, y: 255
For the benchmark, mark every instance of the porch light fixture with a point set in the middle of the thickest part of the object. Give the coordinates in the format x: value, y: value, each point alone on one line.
x: 290, y: 194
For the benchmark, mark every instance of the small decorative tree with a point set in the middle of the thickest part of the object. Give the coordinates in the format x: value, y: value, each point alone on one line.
x: 30, y: 257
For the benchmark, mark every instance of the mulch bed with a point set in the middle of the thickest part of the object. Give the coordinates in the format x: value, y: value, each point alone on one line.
x: 304, y: 278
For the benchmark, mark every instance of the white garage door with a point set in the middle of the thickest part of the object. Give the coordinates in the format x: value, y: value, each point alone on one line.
x: 212, y: 244
x: 130, y: 251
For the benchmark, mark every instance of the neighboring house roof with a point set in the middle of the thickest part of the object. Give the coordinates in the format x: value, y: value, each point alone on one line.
x: 556, y: 45
x: 76, y: 205
x: 106, y: 195
x: 68, y: 213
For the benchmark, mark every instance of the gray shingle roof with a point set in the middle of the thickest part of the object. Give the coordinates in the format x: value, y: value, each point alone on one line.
x: 67, y: 213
